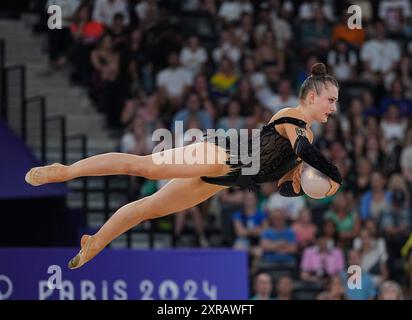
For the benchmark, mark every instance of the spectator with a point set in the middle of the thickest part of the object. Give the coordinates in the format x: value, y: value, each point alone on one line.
x: 233, y: 120
x: 291, y: 206
x: 396, y: 223
x: 193, y: 56
x: 365, y: 289
x: 321, y: 261
x: 263, y: 287
x: 193, y: 108
x: 228, y: 48
x: 85, y: 34
x: 380, y: 55
x: 285, y: 97
x: 284, y: 288
x: 345, y: 218
x: 394, y: 14
x: 390, y: 290
x: 105, y: 10
x: 341, y: 31
x: 304, y: 228
x: 377, y: 200
x: 278, y: 242
x: 343, y: 61
x: 231, y: 10
x: 224, y: 81
x: 174, y: 81
x: 397, y: 97
x: 138, y: 141
x: 60, y: 39
x: 373, y: 256
x: 335, y: 290
x: 248, y: 223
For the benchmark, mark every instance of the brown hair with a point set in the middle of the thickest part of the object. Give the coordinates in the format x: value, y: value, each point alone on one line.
x: 318, y: 77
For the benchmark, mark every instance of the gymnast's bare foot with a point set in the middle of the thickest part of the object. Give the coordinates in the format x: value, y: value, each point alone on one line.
x: 47, y: 174
x: 87, y: 252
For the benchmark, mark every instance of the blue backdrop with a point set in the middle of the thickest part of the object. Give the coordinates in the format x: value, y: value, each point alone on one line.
x: 124, y: 274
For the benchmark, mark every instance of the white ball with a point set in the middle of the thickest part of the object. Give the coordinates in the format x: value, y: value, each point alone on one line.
x: 314, y: 183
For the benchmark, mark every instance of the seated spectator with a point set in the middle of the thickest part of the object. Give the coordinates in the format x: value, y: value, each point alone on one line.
x: 373, y: 256
x: 291, y: 206
x: 138, y: 140
x: 397, y: 97
x: 380, y: 55
x: 321, y: 261
x: 377, y: 200
x: 193, y: 56
x: 370, y: 108
x: 345, y: 218
x: 341, y: 31
x: 228, y: 48
x: 59, y: 38
x: 105, y: 10
x: 396, y: 223
x: 393, y: 126
x: 233, y: 120
x: 263, y: 287
x: 365, y: 290
x: 278, y: 242
x: 342, y: 61
x: 362, y: 177
x: 174, y: 82
x: 275, y: 102
x: 390, y: 290
x: 246, y: 97
x: 394, y: 13
x: 232, y: 10
x: 85, y: 33
x: 119, y: 32
x: 224, y: 81
x: 193, y: 108
x: 316, y: 33
x: 248, y: 223
x: 304, y: 228
x: 334, y: 290
x: 284, y: 288
x: 199, y: 222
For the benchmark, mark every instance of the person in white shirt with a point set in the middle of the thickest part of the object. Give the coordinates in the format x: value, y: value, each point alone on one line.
x: 275, y: 102
x: 105, y: 10
x: 231, y: 10
x: 380, y: 55
x: 174, y: 81
x: 227, y: 48
x: 343, y: 61
x: 193, y: 56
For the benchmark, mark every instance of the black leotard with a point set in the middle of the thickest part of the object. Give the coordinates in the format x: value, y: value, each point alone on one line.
x: 276, y: 154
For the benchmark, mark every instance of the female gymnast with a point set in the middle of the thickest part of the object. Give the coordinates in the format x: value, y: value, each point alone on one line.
x: 285, y: 142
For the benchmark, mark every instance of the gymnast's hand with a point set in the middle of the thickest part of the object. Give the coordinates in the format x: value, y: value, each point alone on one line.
x: 334, y: 187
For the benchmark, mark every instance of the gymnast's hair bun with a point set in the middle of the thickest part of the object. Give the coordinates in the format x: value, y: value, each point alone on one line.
x: 318, y: 70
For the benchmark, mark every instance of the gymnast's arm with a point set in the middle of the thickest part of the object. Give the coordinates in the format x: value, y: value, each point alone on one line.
x: 312, y: 156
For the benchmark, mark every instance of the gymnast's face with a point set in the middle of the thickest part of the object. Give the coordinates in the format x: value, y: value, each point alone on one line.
x: 324, y: 102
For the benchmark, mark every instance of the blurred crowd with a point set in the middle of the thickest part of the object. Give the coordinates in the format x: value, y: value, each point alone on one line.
x: 233, y: 64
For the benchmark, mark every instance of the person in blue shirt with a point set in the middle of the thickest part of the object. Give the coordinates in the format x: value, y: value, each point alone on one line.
x: 278, y: 242
x: 366, y: 290
x: 248, y: 222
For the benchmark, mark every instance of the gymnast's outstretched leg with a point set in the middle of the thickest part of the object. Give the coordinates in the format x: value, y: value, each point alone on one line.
x: 177, y: 195
x: 194, y: 160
